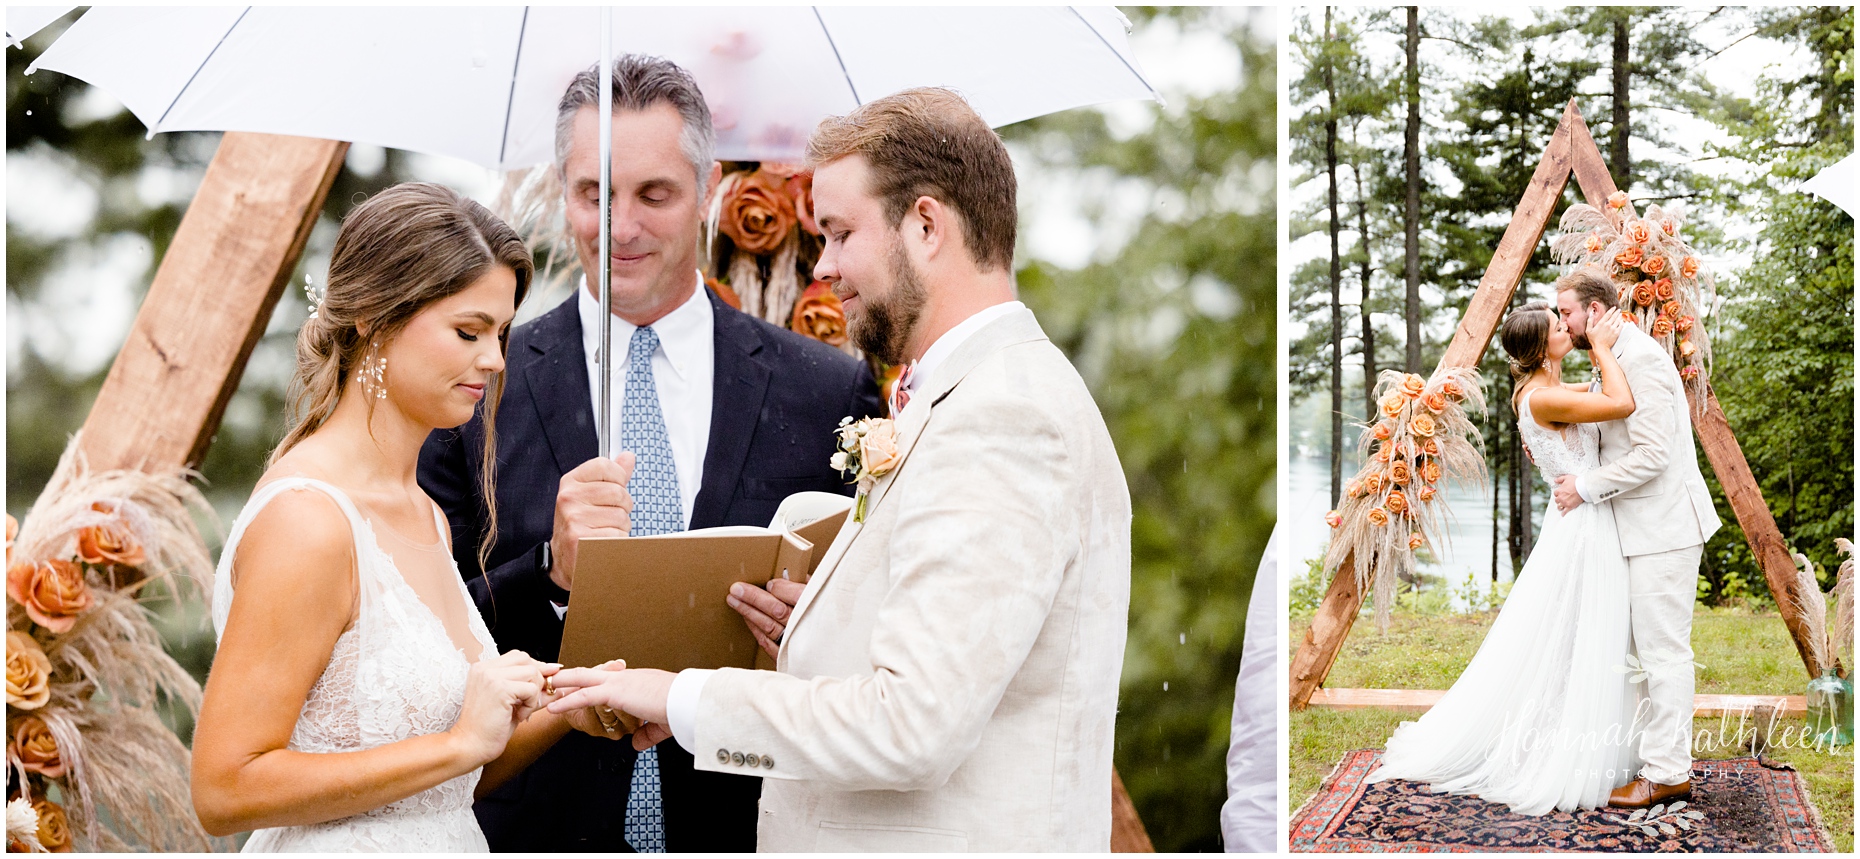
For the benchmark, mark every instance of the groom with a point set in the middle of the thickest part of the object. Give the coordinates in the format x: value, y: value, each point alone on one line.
x: 1650, y: 475
x: 948, y: 679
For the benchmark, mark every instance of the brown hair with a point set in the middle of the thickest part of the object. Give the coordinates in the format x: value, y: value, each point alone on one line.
x: 1525, y: 335
x: 1590, y: 284
x: 403, y: 249
x: 928, y: 142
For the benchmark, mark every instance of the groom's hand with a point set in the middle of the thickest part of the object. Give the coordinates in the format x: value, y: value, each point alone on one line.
x: 591, y: 501
x: 766, y: 612
x: 1565, y: 494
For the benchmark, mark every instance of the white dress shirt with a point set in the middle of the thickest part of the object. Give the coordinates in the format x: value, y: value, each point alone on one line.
x: 682, y: 699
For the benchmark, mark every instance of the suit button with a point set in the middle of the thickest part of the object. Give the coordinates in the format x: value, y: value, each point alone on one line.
x: 736, y: 758
x: 752, y: 761
x: 723, y: 756
x: 768, y: 763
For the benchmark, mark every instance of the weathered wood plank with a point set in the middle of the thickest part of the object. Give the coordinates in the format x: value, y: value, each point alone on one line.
x: 1127, y: 832
x: 1422, y: 700
x: 210, y: 301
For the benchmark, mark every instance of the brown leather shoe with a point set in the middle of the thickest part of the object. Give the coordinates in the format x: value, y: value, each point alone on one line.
x: 1641, y: 793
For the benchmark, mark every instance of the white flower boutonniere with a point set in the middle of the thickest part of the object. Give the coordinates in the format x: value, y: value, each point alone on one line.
x: 868, y: 450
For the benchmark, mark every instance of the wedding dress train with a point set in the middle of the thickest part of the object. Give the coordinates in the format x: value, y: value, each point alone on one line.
x: 1541, y: 718
x: 396, y: 673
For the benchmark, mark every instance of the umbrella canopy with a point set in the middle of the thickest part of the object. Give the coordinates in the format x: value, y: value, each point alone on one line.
x: 1834, y: 184
x: 482, y: 83
x: 23, y: 21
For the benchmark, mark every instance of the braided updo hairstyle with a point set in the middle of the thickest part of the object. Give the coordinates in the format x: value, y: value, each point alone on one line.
x: 403, y: 249
x: 1525, y: 335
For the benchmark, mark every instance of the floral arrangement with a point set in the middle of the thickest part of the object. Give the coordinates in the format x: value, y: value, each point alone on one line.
x: 90, y: 763
x: 1663, y: 283
x: 1826, y: 642
x: 866, y: 451
x: 1393, y: 506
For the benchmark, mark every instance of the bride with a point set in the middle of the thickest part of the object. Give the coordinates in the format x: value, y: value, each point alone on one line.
x: 1541, y: 718
x: 357, y: 701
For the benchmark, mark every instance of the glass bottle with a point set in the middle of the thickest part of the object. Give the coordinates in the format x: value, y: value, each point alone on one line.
x: 1830, y: 710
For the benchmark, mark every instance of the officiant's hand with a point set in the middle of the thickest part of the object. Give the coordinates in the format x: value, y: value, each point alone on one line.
x: 766, y: 611
x: 1565, y: 494
x: 592, y: 501
x: 641, y: 692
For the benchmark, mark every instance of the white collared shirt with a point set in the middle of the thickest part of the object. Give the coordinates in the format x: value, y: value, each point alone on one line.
x: 682, y: 699
x: 683, y: 369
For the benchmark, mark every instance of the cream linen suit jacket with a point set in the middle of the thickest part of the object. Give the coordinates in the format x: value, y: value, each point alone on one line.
x: 948, y: 680
x: 1649, y: 468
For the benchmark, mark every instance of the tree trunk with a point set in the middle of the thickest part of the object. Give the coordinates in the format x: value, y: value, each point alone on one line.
x: 1362, y: 306
x: 1411, y: 151
x: 1619, y: 164
x: 1336, y: 275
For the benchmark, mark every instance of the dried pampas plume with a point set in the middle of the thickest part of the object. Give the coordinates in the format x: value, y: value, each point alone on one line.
x: 1841, y: 639
x: 1811, y: 605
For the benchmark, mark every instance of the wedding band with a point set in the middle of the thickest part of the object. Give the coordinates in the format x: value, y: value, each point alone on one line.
x: 603, y: 713
x: 548, y: 686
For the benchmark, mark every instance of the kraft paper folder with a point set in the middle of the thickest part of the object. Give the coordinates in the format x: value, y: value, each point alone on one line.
x: 658, y: 602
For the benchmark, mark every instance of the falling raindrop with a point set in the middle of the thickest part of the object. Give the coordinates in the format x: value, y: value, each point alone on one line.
x: 1165, y: 685
x: 1182, y: 639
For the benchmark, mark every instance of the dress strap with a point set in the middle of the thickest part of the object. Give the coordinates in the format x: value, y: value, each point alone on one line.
x: 222, y: 579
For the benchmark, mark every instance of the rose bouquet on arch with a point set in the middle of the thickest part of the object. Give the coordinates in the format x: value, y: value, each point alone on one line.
x: 90, y: 763
x: 1664, y: 287
x: 1393, y: 506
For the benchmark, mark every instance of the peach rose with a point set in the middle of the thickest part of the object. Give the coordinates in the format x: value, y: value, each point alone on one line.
x: 1415, y: 541
x: 1383, y: 452
x: 54, y: 830
x: 1430, y: 447
x: 1618, y: 200
x: 1671, y: 308
x: 818, y: 315
x: 109, y: 544
x: 1684, y: 323
x: 1413, y: 385
x: 878, y: 449
x: 1662, y: 325
x: 1392, y: 405
x: 1396, y: 502
x: 1629, y: 317
x: 1422, y: 425
x: 1435, y: 401
x: 1431, y: 471
x: 1654, y: 265
x: 28, y: 672
x: 1594, y: 244
x: 1399, y: 474
x: 1686, y: 348
x: 1372, y: 483
x: 1669, y: 226
x: 1629, y: 258
x: 1452, y: 389
x: 1689, y: 267
x: 1663, y: 289
x: 1334, y: 519
x: 1689, y: 372
x: 800, y: 188
x: 36, y: 749
x: 1353, y: 489
x: 724, y: 293
x: 1378, y: 516
x: 1381, y: 431
x: 1426, y: 494
x: 1638, y: 233
x: 52, y: 592
x: 758, y: 214
x: 1643, y: 294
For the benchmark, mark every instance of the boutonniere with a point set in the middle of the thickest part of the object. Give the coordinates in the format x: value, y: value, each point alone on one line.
x: 868, y: 450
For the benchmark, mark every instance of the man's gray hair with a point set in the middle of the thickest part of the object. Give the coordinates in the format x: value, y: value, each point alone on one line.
x: 640, y: 82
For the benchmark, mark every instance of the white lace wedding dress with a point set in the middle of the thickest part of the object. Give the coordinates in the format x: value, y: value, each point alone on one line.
x: 396, y: 673
x: 1541, y: 718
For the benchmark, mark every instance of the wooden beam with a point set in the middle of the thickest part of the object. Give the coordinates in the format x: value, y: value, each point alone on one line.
x: 1421, y: 700
x: 210, y: 301
x: 1127, y: 832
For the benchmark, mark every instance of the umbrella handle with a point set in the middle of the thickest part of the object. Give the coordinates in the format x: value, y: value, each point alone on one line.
x: 604, y: 417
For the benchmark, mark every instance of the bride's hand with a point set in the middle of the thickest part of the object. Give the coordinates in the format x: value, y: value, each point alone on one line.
x: 500, y: 692
x: 1605, y: 329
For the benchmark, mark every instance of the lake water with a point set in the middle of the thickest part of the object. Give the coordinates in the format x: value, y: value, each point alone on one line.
x: 1465, y: 556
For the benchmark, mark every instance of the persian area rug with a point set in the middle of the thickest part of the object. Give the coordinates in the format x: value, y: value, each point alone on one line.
x: 1738, y: 806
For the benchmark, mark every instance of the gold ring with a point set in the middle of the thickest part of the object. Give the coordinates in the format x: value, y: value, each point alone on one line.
x: 548, y: 686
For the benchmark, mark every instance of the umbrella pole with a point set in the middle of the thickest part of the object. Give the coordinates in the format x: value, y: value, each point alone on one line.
x: 605, y: 274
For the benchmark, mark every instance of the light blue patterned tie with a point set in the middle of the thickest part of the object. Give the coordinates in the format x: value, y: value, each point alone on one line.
x: 657, y: 509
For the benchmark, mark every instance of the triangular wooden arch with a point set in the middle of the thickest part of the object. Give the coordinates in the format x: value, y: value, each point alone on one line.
x: 1571, y: 150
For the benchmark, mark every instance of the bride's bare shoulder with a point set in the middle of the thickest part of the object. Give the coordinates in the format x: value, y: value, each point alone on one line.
x: 300, y: 532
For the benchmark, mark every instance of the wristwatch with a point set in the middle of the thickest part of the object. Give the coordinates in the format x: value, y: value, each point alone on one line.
x: 545, y: 558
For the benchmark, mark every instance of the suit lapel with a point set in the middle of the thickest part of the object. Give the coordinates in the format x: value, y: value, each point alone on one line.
x: 1012, y: 329
x: 738, y: 386
x: 557, y: 375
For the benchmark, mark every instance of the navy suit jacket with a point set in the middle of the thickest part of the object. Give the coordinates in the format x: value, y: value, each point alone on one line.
x: 776, y: 402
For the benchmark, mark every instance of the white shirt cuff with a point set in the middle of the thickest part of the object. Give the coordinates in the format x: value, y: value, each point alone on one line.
x: 561, y: 611
x: 1582, y: 489
x: 681, y: 705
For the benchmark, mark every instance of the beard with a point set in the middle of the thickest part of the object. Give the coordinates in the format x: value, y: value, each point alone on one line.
x: 884, y: 326
x: 1580, y: 341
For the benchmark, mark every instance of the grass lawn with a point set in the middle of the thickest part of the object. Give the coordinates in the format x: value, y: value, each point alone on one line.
x: 1741, y: 653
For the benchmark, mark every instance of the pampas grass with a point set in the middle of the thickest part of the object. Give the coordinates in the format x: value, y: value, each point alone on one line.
x: 1811, y: 605
x: 1841, y: 637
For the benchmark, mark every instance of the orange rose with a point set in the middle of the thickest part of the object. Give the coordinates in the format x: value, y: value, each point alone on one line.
x: 1396, y: 502
x: 1689, y: 267
x: 1422, y: 425
x: 1684, y: 323
x: 1430, y: 447
x: 1413, y: 385
x: 1435, y: 402
x: 724, y: 293
x: 1381, y: 431
x: 1399, y: 475
x: 818, y: 315
x: 1372, y: 483
x: 1629, y: 317
x: 1334, y: 519
x: 1638, y: 233
x: 1594, y: 244
x: 36, y: 749
x: 800, y: 188
x: 54, y: 831
x: 1669, y: 226
x: 1426, y: 494
x: 1686, y: 348
x: 758, y: 214
x: 1618, y: 200
x: 1378, y: 516
x: 1662, y: 325
x: 1431, y: 471
x: 1671, y: 308
x: 1415, y: 541
x: 1352, y: 489
x: 1629, y: 258
x: 1663, y: 289
x: 109, y: 544
x: 1690, y: 372
x: 1643, y: 294
x: 1451, y: 389
x: 1654, y: 265
x: 28, y: 672
x: 1382, y: 453
x: 1392, y: 405
x: 52, y: 592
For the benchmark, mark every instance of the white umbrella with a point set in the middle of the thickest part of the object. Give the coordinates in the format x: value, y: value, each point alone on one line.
x: 23, y: 21
x: 482, y: 83
x: 1835, y: 184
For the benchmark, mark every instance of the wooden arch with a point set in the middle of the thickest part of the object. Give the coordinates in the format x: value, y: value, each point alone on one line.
x: 1571, y: 150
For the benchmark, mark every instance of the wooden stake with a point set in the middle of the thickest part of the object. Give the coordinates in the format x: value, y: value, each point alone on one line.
x: 1127, y: 832
x: 210, y: 301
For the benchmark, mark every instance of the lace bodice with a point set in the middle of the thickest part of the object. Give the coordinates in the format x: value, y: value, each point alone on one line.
x: 394, y: 674
x: 1573, y: 451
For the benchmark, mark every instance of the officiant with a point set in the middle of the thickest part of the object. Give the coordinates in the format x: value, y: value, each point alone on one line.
x: 724, y: 416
